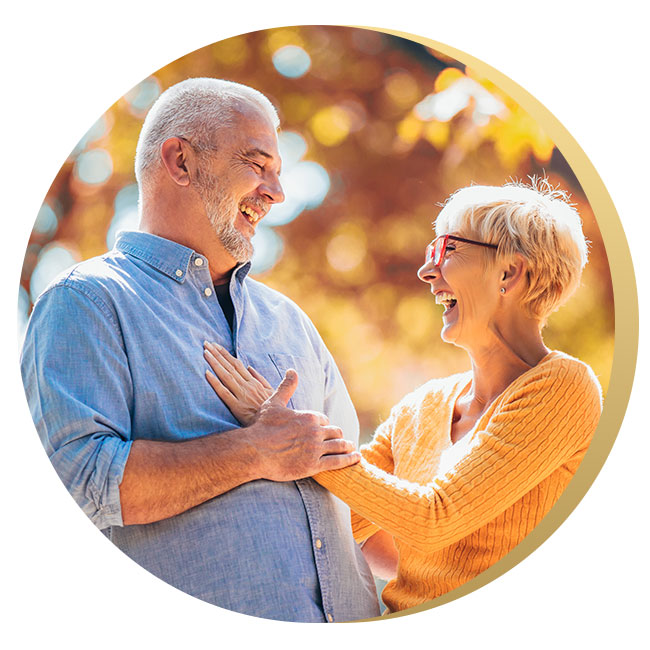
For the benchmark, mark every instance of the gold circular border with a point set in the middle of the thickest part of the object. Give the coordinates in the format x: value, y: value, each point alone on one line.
x: 626, y: 318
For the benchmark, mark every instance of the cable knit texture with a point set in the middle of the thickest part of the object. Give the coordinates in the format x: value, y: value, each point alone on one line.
x: 456, y: 509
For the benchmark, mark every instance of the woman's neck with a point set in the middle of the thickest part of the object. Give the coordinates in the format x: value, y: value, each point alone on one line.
x: 496, y: 365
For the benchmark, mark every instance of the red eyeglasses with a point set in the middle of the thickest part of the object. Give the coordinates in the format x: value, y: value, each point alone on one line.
x: 436, y: 250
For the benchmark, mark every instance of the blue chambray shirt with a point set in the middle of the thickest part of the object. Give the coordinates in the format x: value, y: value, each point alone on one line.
x: 114, y: 353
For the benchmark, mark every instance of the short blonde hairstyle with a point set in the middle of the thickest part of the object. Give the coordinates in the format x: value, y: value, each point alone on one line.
x: 537, y: 221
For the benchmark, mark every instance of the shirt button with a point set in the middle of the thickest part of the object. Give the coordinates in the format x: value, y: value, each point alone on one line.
x: 198, y: 261
x: 319, y: 544
x: 207, y: 291
x: 179, y: 273
x: 330, y: 618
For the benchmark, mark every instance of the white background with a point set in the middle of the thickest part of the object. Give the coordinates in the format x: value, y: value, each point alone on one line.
x: 63, y: 65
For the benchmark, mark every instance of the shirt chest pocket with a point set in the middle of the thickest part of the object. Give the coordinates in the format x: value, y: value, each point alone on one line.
x: 310, y: 393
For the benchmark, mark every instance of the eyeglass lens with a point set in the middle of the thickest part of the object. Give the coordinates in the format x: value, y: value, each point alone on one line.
x: 435, y: 250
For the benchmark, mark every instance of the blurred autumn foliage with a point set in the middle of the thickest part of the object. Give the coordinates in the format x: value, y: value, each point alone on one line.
x: 385, y: 130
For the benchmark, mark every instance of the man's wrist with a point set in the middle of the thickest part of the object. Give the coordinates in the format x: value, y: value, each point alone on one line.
x: 253, y: 459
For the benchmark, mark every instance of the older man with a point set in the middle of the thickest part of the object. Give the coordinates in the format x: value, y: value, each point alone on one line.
x: 114, y: 374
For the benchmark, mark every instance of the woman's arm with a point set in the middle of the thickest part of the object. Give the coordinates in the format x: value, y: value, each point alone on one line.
x: 543, y: 423
x: 381, y: 555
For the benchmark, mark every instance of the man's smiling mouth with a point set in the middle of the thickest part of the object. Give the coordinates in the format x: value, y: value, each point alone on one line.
x: 249, y: 213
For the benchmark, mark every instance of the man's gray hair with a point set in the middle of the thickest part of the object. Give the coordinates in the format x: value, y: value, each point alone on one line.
x: 193, y: 109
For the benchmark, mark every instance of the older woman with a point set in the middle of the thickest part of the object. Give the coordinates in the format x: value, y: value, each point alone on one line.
x: 466, y: 466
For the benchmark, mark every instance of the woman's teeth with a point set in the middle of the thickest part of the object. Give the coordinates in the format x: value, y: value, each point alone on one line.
x: 249, y: 213
x: 447, y: 299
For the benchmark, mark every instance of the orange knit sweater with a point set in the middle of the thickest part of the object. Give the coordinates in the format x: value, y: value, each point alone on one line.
x: 454, y: 510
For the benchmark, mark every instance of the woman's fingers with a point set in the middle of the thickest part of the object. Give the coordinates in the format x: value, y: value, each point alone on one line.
x: 228, y: 379
x: 224, y: 393
x: 259, y: 377
x: 228, y: 361
x: 233, y: 364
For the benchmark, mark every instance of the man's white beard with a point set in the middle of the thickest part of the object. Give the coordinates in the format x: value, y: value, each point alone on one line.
x: 219, y: 206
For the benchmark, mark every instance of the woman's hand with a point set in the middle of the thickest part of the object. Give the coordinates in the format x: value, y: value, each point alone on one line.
x: 243, y: 390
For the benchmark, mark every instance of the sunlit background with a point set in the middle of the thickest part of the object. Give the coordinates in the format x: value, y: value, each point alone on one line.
x: 376, y: 132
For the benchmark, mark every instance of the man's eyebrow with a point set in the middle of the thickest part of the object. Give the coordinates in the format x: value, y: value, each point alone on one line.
x: 258, y: 152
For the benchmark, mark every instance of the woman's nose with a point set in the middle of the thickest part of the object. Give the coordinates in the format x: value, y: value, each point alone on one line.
x: 428, y: 271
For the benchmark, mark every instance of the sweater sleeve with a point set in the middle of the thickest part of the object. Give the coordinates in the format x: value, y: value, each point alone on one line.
x: 378, y: 452
x: 538, y: 425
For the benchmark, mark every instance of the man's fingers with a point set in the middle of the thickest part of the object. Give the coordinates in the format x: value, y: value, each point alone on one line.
x: 286, y: 389
x: 338, y: 446
x: 330, y: 432
x: 338, y: 461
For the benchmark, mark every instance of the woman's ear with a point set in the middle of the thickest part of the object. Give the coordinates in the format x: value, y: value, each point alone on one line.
x: 174, y: 156
x: 513, y: 273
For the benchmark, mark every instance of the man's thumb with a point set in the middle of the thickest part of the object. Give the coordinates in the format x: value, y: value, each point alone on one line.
x: 286, y: 388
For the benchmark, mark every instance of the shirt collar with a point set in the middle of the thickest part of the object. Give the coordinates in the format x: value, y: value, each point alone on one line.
x: 165, y: 255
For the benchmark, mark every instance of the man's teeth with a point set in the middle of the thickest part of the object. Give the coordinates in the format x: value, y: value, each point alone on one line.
x: 253, y: 217
x: 445, y: 298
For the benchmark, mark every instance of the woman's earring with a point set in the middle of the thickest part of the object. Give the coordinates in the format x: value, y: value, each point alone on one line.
x: 503, y: 290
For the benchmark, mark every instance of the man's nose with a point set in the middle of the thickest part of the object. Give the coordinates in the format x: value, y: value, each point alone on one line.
x: 272, y: 190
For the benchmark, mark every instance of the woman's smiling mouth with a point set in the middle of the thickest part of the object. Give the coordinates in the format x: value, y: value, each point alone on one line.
x: 447, y: 299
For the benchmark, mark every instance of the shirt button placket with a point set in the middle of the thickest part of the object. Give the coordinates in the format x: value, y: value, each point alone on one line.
x: 318, y: 543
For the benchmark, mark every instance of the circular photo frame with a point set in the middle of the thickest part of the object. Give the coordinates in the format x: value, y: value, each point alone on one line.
x: 378, y: 128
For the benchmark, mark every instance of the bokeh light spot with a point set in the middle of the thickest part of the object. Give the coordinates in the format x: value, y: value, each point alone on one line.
x: 24, y: 304
x: 231, y: 52
x: 331, y: 125
x: 417, y: 318
x: 53, y: 260
x: 308, y: 182
x: 305, y: 183
x: 94, y: 167
x: 126, y: 216
x: 445, y: 104
x: 46, y: 221
x: 278, y: 38
x: 346, y: 250
x: 446, y: 78
x: 95, y: 132
x: 292, y: 148
x: 291, y: 61
x: 268, y: 249
x: 437, y: 133
x: 409, y: 129
x: 402, y: 89
x: 142, y: 97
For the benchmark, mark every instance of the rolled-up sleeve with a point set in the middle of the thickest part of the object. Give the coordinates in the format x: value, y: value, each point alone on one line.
x: 80, y: 394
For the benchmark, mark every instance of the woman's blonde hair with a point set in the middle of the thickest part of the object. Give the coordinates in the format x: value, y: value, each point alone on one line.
x: 537, y: 221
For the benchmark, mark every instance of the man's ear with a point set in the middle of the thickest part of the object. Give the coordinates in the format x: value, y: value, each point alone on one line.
x: 174, y: 155
x: 514, y: 272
